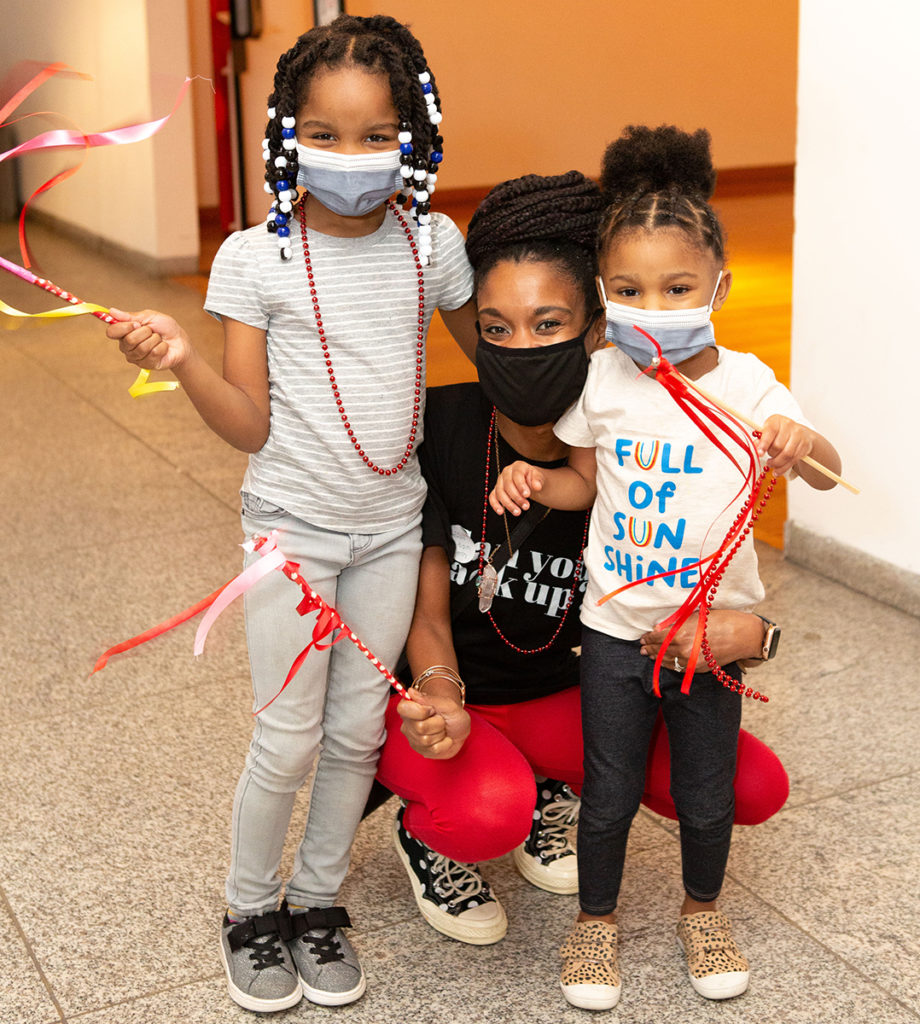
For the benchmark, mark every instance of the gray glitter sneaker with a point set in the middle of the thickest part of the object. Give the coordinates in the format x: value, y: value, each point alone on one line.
x: 260, y: 973
x: 329, y: 969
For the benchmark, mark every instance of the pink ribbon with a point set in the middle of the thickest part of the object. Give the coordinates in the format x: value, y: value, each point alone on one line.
x: 270, y: 559
x: 324, y: 633
x: 69, y: 138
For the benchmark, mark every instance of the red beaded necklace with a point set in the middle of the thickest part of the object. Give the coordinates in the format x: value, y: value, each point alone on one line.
x: 493, y: 432
x: 419, y: 349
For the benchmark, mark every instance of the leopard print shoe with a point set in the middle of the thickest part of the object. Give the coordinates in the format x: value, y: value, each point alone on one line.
x: 590, y: 974
x: 716, y: 966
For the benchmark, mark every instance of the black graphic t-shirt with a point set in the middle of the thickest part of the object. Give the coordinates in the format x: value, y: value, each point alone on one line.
x: 534, y: 584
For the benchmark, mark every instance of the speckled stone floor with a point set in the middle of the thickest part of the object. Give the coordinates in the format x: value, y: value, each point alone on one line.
x: 117, y: 786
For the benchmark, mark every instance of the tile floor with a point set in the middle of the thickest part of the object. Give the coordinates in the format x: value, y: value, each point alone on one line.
x: 117, y: 786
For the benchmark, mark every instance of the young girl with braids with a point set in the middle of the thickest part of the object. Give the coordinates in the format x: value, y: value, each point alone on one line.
x: 501, y: 771
x: 325, y: 312
x: 657, y: 485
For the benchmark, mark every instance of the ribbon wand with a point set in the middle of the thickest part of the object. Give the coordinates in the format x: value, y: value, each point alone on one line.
x: 142, y: 384
x: 85, y: 307
x: 328, y: 628
x: 754, y: 426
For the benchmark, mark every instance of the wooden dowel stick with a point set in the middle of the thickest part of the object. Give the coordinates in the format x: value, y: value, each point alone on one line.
x: 740, y: 416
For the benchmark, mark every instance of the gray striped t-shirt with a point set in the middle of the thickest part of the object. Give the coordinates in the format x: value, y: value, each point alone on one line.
x: 368, y: 294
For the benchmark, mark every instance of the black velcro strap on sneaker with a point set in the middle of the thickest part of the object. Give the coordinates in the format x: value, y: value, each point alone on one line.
x: 251, y: 928
x: 310, y: 920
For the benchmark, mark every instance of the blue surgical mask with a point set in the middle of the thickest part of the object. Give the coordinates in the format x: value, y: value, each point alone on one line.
x: 681, y: 333
x: 349, y: 185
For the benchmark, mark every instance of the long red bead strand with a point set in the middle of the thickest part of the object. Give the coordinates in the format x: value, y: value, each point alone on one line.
x: 482, y: 549
x: 761, y: 496
x: 419, y: 350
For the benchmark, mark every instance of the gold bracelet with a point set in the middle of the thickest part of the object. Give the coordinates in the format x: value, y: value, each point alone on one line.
x: 440, y: 672
x: 436, y: 670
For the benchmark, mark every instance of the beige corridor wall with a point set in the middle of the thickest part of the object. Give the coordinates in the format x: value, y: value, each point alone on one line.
x: 140, y: 197
x: 542, y: 86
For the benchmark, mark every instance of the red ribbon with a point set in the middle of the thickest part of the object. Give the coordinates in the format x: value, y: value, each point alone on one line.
x: 709, y: 419
x: 327, y: 622
x: 328, y: 629
x: 163, y: 627
x: 68, y: 138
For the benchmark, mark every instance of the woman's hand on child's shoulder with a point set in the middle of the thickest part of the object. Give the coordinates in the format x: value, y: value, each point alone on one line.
x: 785, y: 441
x: 151, y: 340
x: 515, y: 484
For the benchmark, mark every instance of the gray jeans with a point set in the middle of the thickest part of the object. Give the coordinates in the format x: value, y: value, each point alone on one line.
x: 619, y: 709
x: 330, y: 714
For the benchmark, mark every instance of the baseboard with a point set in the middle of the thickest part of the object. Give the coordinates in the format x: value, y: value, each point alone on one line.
x: 747, y: 181
x: 134, y: 258
x: 459, y: 201
x: 855, y: 569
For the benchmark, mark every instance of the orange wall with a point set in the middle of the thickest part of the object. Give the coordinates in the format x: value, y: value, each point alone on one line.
x: 526, y: 89
x: 542, y: 86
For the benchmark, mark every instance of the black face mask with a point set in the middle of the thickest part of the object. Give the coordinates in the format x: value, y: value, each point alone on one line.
x: 532, y: 386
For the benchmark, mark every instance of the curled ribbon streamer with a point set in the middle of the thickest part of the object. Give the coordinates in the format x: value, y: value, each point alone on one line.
x: 144, y: 386
x: 700, y: 410
x: 272, y: 559
x: 66, y: 138
x: 55, y: 179
x: 158, y: 630
x: 48, y: 71
x: 327, y: 621
x: 56, y: 314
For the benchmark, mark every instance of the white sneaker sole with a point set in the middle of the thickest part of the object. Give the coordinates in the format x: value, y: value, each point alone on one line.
x: 718, y: 986
x: 722, y: 986
x: 323, y: 998
x: 480, y: 934
x: 250, y: 1002
x: 592, y: 997
x: 542, y: 877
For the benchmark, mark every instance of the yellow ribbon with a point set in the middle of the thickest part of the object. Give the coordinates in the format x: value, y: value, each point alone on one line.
x: 142, y: 384
x: 142, y: 387
x: 55, y: 314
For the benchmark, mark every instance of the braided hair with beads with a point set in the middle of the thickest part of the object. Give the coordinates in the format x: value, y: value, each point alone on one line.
x: 550, y: 219
x: 379, y: 44
x: 661, y: 177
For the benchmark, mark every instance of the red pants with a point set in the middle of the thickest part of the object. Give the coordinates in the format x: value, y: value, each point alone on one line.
x: 479, y: 804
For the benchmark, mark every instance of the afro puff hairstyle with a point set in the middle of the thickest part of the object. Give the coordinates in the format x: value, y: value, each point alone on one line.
x: 661, y: 177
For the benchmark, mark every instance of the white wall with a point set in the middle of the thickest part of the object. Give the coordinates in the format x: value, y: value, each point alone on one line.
x: 856, y: 340
x: 140, y: 196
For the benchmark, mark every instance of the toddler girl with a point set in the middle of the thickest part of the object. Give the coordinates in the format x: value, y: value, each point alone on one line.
x: 664, y: 496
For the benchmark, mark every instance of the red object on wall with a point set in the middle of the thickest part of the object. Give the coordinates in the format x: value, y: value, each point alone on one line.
x: 221, y: 54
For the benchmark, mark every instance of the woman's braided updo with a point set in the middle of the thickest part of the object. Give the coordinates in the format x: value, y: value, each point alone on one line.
x: 660, y: 177
x: 550, y: 219
x: 378, y: 44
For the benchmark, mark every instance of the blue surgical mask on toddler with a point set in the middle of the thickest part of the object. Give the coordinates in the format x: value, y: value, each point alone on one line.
x: 681, y: 333
x: 349, y: 185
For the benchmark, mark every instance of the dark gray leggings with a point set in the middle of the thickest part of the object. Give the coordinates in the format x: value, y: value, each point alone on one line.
x: 619, y: 709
